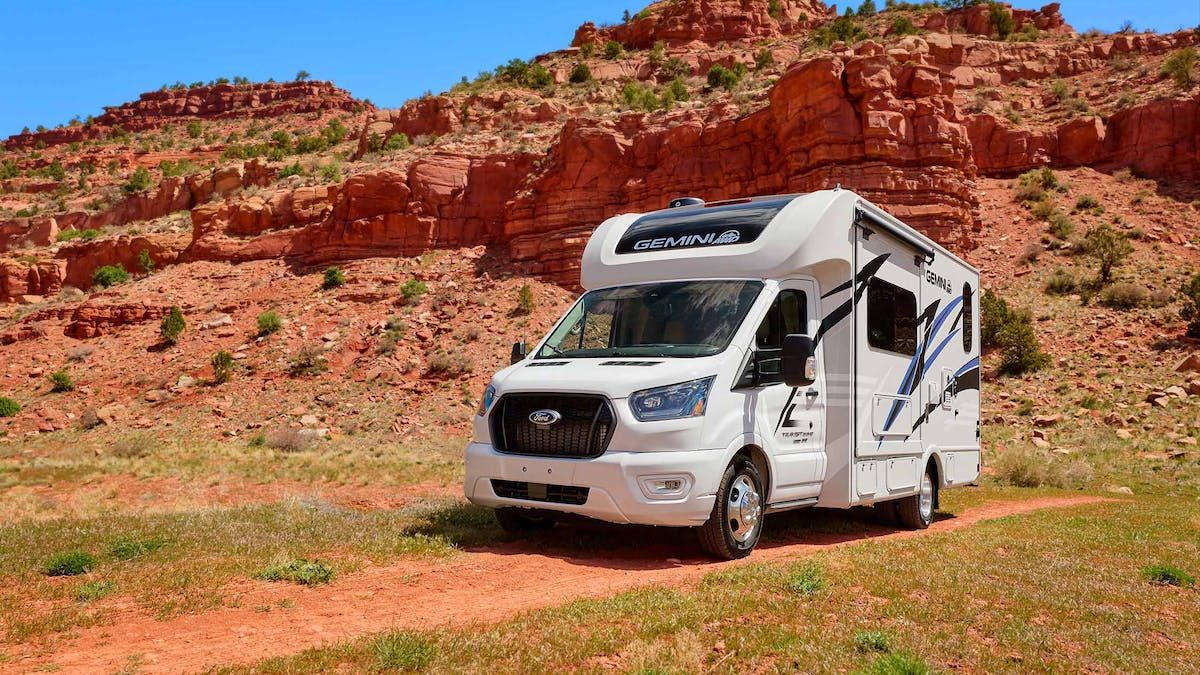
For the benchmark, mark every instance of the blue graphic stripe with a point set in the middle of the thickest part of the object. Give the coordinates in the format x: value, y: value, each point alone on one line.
x: 939, y: 349
x: 973, y: 363
x: 908, y: 382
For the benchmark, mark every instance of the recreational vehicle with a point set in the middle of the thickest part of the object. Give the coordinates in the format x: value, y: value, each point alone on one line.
x: 735, y: 359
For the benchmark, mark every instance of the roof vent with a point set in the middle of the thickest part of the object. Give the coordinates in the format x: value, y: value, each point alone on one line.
x: 685, y: 201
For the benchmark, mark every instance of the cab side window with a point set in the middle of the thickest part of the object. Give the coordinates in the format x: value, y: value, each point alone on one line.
x: 788, y: 316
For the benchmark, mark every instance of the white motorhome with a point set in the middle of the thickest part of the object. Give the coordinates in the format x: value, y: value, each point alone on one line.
x: 734, y: 359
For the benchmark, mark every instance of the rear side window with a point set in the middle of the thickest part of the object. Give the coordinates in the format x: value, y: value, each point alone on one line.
x: 891, y: 318
x: 968, y: 318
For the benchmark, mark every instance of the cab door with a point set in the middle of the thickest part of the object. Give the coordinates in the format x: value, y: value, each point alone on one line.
x: 792, y: 417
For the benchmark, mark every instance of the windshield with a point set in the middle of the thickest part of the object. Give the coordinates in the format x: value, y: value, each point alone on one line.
x: 676, y: 318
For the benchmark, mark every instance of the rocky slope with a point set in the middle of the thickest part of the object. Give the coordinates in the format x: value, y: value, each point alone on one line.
x: 516, y: 169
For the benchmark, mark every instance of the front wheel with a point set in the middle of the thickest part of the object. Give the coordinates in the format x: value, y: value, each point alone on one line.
x: 736, y: 521
x: 916, y: 512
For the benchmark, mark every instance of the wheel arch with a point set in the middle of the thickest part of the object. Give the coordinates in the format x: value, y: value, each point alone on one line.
x: 934, y: 464
x: 761, y: 461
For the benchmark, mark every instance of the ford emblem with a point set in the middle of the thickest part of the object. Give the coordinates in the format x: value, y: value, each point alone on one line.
x: 544, y: 418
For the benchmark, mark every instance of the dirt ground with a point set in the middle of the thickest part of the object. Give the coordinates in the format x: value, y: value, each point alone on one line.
x: 480, y: 586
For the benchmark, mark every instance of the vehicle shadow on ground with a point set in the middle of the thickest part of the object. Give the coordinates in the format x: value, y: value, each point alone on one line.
x: 592, y: 543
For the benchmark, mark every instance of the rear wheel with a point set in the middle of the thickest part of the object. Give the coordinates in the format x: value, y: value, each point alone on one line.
x: 524, y: 521
x: 916, y: 512
x: 736, y: 521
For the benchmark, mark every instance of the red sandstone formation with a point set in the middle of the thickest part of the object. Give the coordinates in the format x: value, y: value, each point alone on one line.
x: 159, y: 108
x: 708, y: 21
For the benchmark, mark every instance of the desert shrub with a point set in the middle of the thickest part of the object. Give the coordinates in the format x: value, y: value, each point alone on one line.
x: 1060, y: 91
x: 525, y: 301
x: 300, y: 571
x: 658, y: 54
x: 763, y: 59
x: 899, y: 663
x: 1025, y: 466
x: 288, y: 439
x: 775, y: 9
x: 613, y: 50
x: 171, y: 169
x: 139, y: 181
x: 1001, y: 20
x: 110, y: 275
x: 331, y: 172
x: 996, y: 314
x: 335, y: 132
x: 1028, y: 33
x: 9, y: 169
x: 61, y: 381
x: 1124, y: 296
x: 675, y: 68
x: 640, y: 97
x: 8, y: 407
x: 676, y: 91
x: 172, y: 326
x: 128, y: 548
x: 1044, y: 178
x: 450, y: 364
x: 580, y: 73
x: 268, y: 322
x: 146, y: 262
x: 1061, y: 282
x: 1061, y: 225
x: 1020, y: 351
x: 194, y: 129
x: 302, y: 75
x: 1042, y: 210
x: 308, y: 144
x: 412, y: 290
x: 902, y: 25
x: 397, y: 142
x: 1031, y: 253
x: 1028, y: 194
x: 290, y: 170
x: 134, y: 445
x: 806, y: 579
x: 1179, y: 67
x: 402, y: 652
x: 1168, y: 575
x: 333, y: 278
x: 1086, y: 202
x: 70, y: 235
x: 1189, y: 294
x: 222, y: 365
x: 720, y: 77
x: 1108, y: 248
x: 307, y: 361
x: 70, y: 564
x: 871, y: 641
x: 841, y: 29
x: 867, y: 8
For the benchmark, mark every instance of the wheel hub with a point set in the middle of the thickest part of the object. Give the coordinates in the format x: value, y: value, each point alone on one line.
x: 925, y: 503
x: 745, y: 508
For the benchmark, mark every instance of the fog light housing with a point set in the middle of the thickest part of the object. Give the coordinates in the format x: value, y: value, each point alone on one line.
x: 666, y: 487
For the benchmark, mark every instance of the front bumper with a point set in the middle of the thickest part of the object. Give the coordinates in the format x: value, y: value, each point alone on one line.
x: 613, y: 479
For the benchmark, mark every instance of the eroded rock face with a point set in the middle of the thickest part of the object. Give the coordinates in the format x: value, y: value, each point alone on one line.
x: 709, y: 21
x: 93, y: 319
x: 158, y: 108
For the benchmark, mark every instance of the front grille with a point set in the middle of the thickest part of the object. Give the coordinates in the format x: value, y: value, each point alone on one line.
x: 540, y: 492
x: 584, y: 431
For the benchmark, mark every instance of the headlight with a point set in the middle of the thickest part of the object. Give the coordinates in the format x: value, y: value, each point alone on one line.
x: 676, y: 401
x: 489, y: 395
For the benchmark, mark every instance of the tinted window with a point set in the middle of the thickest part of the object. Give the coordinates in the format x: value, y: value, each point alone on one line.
x: 787, y: 316
x: 968, y: 317
x: 891, y: 318
x: 703, y: 226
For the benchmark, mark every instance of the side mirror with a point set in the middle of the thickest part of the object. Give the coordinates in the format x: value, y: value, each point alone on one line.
x: 519, y: 350
x: 798, y: 363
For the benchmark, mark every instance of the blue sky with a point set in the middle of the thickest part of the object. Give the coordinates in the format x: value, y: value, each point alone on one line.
x: 67, y: 58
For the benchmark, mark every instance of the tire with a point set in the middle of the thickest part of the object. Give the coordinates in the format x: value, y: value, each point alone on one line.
x: 736, y: 522
x: 916, y: 512
x: 524, y: 521
x: 885, y: 512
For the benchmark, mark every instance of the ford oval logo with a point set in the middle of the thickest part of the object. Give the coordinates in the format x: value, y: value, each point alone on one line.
x: 544, y: 418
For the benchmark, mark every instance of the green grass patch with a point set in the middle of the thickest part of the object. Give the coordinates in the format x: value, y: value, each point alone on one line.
x: 1168, y: 575
x: 402, y: 651
x: 807, y: 579
x: 127, y: 548
x: 70, y: 563
x: 94, y: 590
x: 301, y: 571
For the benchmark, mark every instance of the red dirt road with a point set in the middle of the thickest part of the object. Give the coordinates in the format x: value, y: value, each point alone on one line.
x: 481, y: 586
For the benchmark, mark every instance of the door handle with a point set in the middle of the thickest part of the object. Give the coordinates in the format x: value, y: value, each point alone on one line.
x: 812, y: 393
